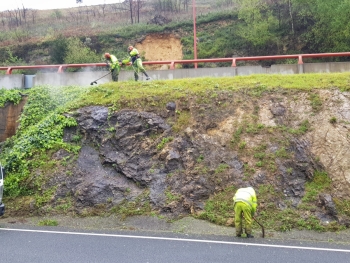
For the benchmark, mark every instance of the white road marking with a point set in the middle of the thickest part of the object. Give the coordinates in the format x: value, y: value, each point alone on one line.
x: 176, y: 239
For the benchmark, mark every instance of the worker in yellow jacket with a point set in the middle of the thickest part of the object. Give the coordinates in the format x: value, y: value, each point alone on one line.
x: 113, y: 65
x: 136, y: 63
x: 245, y: 202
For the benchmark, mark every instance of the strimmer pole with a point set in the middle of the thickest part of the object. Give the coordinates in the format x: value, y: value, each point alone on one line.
x: 194, y: 32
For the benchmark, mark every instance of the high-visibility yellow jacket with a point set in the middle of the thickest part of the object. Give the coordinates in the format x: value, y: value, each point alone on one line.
x: 114, y: 62
x: 134, y: 55
x: 248, y: 196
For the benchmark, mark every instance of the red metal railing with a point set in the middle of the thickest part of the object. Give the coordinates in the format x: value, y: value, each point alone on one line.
x: 172, y: 63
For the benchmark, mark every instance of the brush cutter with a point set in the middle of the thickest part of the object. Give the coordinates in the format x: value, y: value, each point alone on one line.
x: 95, y: 82
x: 262, y: 227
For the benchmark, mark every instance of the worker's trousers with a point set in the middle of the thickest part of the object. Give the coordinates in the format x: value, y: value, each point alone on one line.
x: 246, y: 210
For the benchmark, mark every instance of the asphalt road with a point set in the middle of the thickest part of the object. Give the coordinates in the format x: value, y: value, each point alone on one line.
x: 36, y: 245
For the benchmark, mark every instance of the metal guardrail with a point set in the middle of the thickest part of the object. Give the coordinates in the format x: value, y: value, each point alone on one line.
x: 172, y: 63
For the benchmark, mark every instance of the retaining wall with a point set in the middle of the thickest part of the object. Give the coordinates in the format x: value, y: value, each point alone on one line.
x: 85, y: 78
x: 9, y: 116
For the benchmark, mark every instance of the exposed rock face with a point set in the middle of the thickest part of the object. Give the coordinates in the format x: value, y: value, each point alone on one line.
x: 279, y: 142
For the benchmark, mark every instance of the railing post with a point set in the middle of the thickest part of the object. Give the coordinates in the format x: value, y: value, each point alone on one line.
x: 9, y: 71
x: 234, y: 66
x: 60, y: 69
x: 300, y: 64
x: 172, y: 65
x: 233, y: 62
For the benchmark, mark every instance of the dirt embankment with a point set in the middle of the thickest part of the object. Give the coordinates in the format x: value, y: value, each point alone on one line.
x: 160, y: 47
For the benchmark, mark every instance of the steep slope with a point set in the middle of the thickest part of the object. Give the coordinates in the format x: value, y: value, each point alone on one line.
x: 175, y: 151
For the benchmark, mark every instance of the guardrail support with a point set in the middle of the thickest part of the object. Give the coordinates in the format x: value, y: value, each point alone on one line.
x: 300, y: 64
x: 60, y: 69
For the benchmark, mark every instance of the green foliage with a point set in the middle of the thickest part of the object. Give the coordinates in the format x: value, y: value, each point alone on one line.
x: 41, y: 129
x: 320, y: 183
x: 59, y: 49
x: 48, y: 222
x: 183, y: 121
x: 316, y: 101
x: 221, y: 168
x: 12, y: 95
x: 78, y: 53
x: 47, y: 134
x: 171, y: 197
x: 135, y: 207
x: 12, y: 60
x: 333, y: 120
x: 259, y: 22
x: 219, y: 207
x: 41, y: 198
x: 343, y: 206
x: 164, y: 141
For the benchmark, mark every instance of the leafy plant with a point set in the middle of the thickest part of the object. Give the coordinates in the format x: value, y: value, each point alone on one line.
x: 12, y: 95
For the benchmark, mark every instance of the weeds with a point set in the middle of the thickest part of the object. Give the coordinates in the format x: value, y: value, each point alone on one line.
x: 48, y: 222
x: 164, y: 141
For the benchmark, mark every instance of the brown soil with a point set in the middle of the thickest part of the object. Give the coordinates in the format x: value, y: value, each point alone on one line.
x: 160, y: 47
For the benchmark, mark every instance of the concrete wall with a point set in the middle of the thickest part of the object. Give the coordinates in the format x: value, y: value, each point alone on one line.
x: 85, y: 78
x: 327, y: 67
x: 8, y: 119
x: 12, y: 81
x: 71, y: 78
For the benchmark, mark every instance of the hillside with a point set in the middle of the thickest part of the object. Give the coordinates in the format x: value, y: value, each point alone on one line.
x: 181, y: 148
x: 224, y: 29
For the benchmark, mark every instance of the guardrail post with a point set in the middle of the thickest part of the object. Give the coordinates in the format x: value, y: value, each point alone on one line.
x: 172, y: 65
x: 60, y: 69
x: 234, y: 67
x: 300, y: 64
x: 9, y: 71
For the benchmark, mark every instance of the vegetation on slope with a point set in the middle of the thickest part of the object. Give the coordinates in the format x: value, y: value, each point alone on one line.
x: 44, y: 119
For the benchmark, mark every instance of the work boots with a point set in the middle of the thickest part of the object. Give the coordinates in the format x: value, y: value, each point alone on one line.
x: 250, y: 236
x: 147, y: 77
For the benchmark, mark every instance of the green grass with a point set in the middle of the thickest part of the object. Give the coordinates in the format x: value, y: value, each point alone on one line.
x: 48, y: 222
x: 128, y: 93
x: 320, y: 183
x: 219, y: 207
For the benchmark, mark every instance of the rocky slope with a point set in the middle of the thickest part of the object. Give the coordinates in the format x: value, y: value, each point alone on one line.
x: 171, y: 160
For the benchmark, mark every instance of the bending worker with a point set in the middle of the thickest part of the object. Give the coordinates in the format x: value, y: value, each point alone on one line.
x: 245, y: 203
x: 114, y: 66
x: 136, y: 62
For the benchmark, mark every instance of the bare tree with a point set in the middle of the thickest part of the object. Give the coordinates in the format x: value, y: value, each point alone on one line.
x: 103, y: 8
x: 139, y: 5
x: 34, y: 14
x: 24, y: 14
